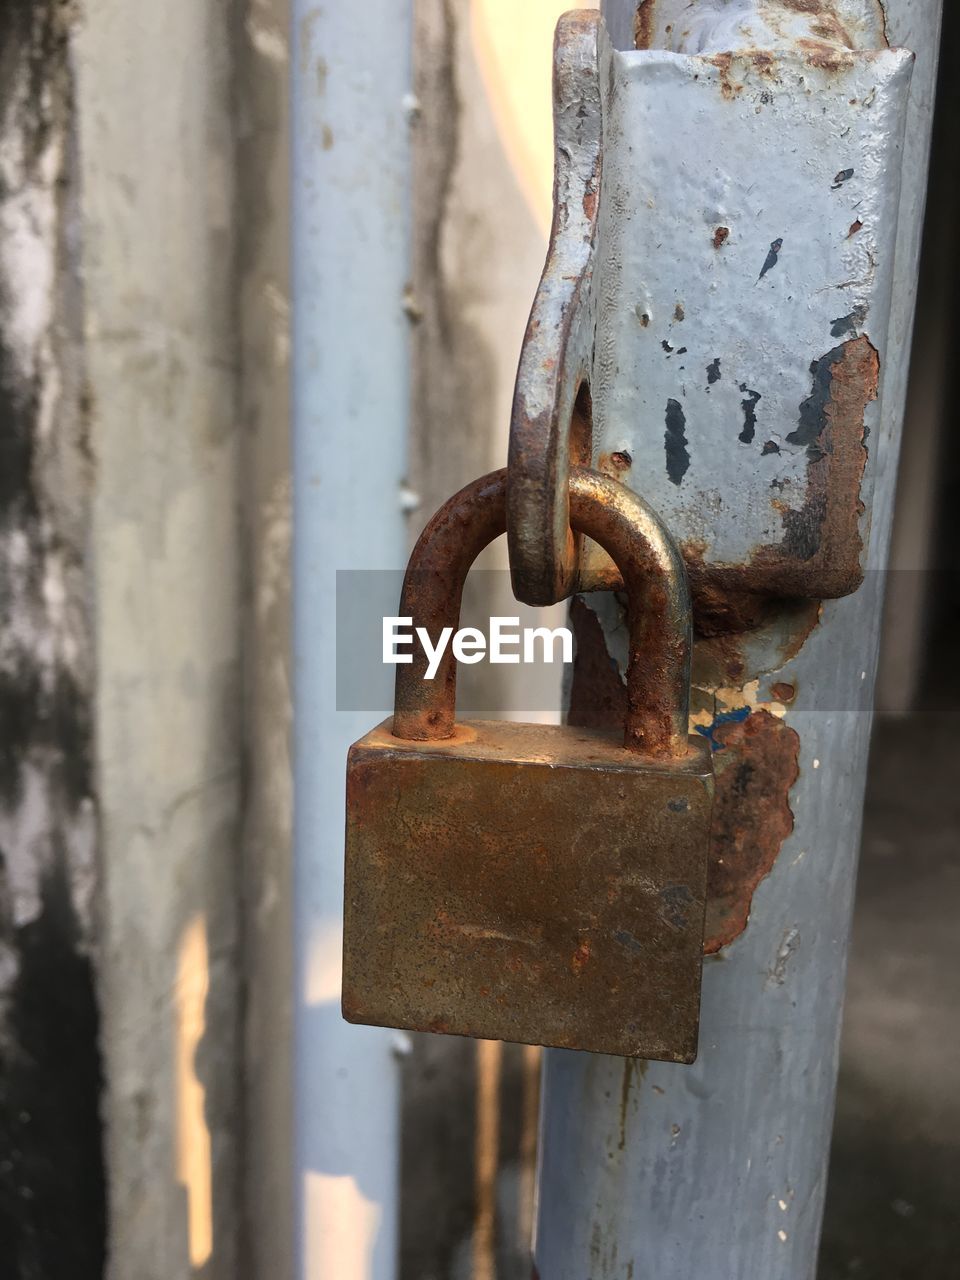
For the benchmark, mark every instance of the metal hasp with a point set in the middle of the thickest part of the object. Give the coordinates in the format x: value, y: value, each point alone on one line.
x: 534, y: 883
x: 722, y: 248
x: 731, y: 283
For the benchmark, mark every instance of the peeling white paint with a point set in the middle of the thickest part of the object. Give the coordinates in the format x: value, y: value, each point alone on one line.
x: 157, y: 166
x: 735, y: 698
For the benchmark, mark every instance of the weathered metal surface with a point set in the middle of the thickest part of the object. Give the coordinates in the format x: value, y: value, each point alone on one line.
x: 550, y: 427
x: 658, y: 680
x: 759, y: 24
x: 719, y: 1171
x: 543, y: 884
x: 741, y: 258
x: 529, y: 883
x: 755, y: 756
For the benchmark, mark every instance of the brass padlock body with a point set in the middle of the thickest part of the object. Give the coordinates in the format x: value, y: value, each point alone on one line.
x: 528, y: 883
x: 540, y: 884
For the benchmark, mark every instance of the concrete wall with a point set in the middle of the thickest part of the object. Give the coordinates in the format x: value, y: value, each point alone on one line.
x: 185, y: 221
x: 144, y: 530
x: 157, y: 247
x: 51, y: 1169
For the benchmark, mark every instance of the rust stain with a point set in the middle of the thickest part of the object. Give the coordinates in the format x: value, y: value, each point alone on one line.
x: 719, y: 660
x: 764, y: 62
x: 826, y: 56
x: 826, y: 24
x: 580, y: 958
x: 783, y: 692
x: 724, y: 62
x: 829, y: 27
x: 720, y: 237
x: 644, y: 24
x: 756, y: 763
x: 614, y: 464
x: 825, y: 532
x: 854, y: 228
x: 722, y: 602
x: 756, y: 766
x: 829, y: 47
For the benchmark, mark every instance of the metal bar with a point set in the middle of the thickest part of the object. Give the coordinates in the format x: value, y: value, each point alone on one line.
x: 351, y: 196
x: 719, y: 1170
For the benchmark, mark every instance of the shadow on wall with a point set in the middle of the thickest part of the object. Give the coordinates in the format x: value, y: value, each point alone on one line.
x: 468, y: 1158
x: 52, y: 1186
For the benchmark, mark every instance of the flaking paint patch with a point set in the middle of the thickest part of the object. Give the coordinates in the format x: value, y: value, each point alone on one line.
x: 675, y: 442
x: 734, y: 698
x: 749, y: 404
x: 819, y: 554
x: 832, y: 427
x: 756, y: 761
x: 789, y: 944
x: 772, y: 258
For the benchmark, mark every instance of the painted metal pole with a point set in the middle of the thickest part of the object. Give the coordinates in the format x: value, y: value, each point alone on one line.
x: 718, y: 1170
x: 351, y: 73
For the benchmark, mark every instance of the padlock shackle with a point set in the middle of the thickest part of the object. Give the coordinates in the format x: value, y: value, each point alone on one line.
x: 659, y: 613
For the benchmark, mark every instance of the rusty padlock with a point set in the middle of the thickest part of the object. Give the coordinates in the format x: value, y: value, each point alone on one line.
x: 542, y: 884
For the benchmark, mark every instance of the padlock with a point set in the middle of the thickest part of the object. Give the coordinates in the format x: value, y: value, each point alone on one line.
x: 536, y: 883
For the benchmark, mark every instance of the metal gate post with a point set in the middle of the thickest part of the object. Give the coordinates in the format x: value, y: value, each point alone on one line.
x: 718, y: 1170
x: 351, y: 78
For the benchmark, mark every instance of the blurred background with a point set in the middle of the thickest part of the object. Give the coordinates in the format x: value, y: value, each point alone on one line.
x: 146, y: 965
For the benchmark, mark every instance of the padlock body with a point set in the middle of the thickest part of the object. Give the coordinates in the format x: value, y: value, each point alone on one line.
x: 529, y: 883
